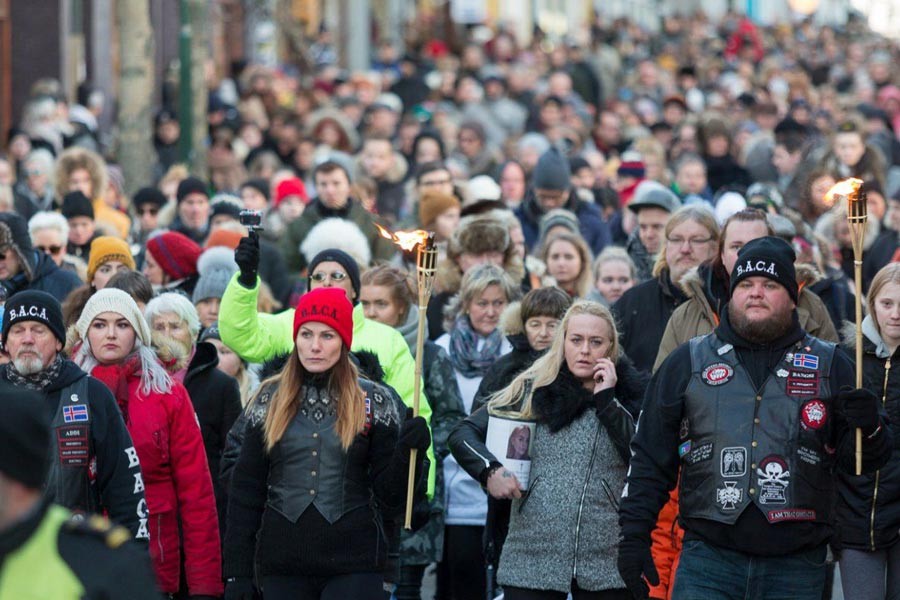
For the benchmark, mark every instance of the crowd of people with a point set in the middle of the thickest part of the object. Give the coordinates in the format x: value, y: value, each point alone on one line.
x: 639, y: 264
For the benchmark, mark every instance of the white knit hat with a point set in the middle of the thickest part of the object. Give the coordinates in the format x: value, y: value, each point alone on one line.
x: 117, y: 301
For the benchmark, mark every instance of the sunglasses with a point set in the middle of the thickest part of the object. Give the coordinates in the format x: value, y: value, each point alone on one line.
x: 50, y: 249
x: 336, y: 276
x: 148, y: 211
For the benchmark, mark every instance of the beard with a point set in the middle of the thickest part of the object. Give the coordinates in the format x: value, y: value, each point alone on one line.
x: 760, y: 331
x: 28, y: 365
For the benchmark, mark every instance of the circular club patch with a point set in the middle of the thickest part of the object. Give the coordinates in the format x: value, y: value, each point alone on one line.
x: 717, y: 374
x: 814, y: 414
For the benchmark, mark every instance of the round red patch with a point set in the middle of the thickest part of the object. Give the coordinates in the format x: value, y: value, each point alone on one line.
x: 814, y: 414
x: 717, y: 374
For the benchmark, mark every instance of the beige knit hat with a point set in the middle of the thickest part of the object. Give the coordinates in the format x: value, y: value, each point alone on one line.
x: 117, y: 301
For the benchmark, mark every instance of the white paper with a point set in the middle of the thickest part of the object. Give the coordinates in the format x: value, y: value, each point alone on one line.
x: 510, y: 441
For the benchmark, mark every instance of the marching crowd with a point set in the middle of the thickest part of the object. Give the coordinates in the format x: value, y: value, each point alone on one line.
x: 207, y: 385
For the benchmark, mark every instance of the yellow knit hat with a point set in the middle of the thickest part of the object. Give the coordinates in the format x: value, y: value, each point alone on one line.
x: 106, y: 248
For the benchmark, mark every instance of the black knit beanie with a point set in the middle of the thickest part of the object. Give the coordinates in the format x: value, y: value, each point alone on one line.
x: 149, y: 195
x: 343, y: 259
x: 190, y: 185
x: 34, y: 305
x: 770, y: 257
x: 76, y: 204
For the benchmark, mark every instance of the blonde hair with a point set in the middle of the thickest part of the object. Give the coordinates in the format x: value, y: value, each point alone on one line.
x: 81, y: 158
x: 614, y: 254
x: 343, y: 385
x: 585, y: 280
x: 545, y: 370
x: 697, y: 213
x: 889, y: 273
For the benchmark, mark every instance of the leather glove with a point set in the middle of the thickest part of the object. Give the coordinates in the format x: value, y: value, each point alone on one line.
x: 860, y: 409
x: 246, y: 255
x: 636, y: 566
x: 239, y: 588
x: 414, y: 433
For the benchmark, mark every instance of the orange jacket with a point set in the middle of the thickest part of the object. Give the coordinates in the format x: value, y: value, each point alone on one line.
x: 666, y: 547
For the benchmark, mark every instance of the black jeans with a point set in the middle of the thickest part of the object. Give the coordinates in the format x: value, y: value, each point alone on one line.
x: 359, y: 586
x: 461, y: 575
x: 513, y: 593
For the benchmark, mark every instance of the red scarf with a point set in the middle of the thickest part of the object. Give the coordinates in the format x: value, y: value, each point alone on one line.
x: 116, y: 377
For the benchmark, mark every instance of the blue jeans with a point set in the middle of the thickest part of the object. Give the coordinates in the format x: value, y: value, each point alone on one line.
x: 710, y: 573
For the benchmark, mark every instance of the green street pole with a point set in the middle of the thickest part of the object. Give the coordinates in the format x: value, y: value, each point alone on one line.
x: 185, y: 95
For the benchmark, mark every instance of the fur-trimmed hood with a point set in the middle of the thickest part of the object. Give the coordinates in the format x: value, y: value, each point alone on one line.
x: 511, y: 320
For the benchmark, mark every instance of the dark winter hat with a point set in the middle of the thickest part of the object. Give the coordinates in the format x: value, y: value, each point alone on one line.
x: 328, y: 306
x: 577, y: 164
x: 211, y: 333
x: 770, y: 257
x: 76, y: 204
x: 34, y: 305
x: 14, y: 237
x: 260, y: 185
x: 225, y: 204
x: 25, y: 428
x: 343, y: 259
x: 551, y: 172
x: 652, y: 194
x: 191, y: 185
x: 175, y: 253
x: 149, y: 195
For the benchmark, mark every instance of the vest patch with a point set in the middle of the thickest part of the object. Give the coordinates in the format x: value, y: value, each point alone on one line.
x: 806, y: 361
x: 773, y: 479
x: 701, y: 453
x: 72, y: 446
x: 730, y: 496
x: 685, y: 429
x: 791, y: 514
x: 75, y: 414
x: 733, y: 461
x: 813, y: 414
x: 684, y: 448
x: 802, y: 382
x: 717, y: 374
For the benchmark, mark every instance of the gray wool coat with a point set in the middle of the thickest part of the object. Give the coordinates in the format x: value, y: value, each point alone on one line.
x: 547, y: 546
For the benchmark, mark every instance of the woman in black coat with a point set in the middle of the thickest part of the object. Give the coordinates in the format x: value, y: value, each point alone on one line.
x: 868, y: 507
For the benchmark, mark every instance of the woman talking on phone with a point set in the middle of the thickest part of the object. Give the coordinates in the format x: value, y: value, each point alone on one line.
x: 563, y: 529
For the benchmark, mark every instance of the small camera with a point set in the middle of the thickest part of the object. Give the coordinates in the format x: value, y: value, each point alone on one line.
x: 251, y: 219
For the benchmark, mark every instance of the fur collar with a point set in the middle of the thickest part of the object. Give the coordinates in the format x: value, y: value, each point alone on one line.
x: 562, y: 402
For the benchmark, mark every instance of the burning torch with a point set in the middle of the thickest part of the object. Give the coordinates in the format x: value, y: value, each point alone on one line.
x: 426, y: 266
x: 857, y: 215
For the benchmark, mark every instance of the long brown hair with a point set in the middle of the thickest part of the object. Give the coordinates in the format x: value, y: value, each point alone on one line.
x: 343, y: 385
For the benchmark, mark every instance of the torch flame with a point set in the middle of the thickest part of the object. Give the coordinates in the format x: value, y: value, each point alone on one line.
x: 848, y: 187
x: 407, y: 240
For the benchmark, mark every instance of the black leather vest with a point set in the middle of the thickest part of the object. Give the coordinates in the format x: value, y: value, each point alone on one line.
x: 72, y: 457
x: 309, y: 466
x: 768, y: 446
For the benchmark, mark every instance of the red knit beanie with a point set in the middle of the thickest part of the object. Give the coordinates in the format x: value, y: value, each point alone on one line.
x: 176, y: 254
x: 290, y: 187
x: 328, y: 306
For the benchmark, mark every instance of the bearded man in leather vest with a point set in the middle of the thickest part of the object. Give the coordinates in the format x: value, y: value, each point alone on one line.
x: 94, y: 467
x: 756, y: 416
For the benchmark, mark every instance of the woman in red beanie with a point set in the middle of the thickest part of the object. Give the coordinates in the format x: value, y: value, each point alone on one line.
x: 324, y: 461
x: 171, y: 263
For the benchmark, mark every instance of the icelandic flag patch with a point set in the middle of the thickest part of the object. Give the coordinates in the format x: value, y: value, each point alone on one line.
x: 75, y: 414
x: 806, y: 361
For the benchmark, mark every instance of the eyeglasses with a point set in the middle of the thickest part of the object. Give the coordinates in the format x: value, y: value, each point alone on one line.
x: 148, y: 211
x: 50, y: 249
x: 335, y: 276
x: 692, y: 242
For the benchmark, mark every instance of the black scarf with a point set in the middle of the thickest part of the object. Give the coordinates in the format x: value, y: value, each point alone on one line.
x: 38, y: 381
x: 562, y: 402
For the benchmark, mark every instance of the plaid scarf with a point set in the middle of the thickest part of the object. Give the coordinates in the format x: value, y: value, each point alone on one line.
x: 38, y: 381
x: 467, y: 359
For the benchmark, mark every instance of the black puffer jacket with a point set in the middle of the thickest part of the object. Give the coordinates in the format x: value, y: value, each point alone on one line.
x: 867, y: 520
x: 217, y: 401
x: 641, y: 317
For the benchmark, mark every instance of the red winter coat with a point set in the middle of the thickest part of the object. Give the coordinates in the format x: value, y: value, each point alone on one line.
x: 176, y: 479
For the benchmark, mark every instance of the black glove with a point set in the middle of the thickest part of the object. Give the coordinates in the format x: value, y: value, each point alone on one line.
x: 414, y: 433
x: 203, y: 598
x: 246, y: 255
x: 239, y: 588
x: 635, y: 564
x: 860, y: 409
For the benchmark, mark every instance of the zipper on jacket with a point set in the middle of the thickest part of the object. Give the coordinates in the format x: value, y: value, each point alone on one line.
x: 587, y: 479
x: 887, y: 373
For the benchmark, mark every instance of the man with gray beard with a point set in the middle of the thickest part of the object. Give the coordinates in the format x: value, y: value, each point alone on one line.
x: 94, y: 467
x: 753, y: 420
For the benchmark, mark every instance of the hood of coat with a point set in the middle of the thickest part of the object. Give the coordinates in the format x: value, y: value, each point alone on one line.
x: 206, y: 357
x: 872, y: 341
